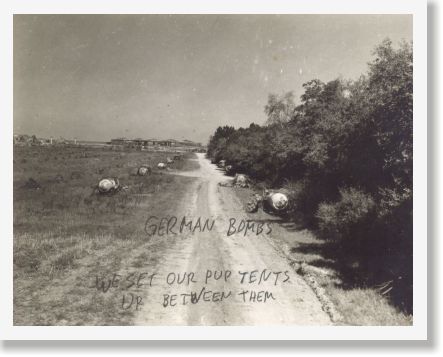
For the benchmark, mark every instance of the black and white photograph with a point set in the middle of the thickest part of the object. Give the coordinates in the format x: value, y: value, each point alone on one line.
x: 214, y: 170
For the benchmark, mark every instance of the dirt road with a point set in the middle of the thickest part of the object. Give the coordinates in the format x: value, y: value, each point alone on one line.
x: 247, y: 263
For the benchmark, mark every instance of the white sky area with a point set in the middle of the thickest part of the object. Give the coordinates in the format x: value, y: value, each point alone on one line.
x: 97, y: 77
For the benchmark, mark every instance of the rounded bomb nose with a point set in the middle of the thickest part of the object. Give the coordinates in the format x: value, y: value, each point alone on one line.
x: 241, y: 180
x: 279, y: 201
x: 108, y: 185
x: 144, y: 170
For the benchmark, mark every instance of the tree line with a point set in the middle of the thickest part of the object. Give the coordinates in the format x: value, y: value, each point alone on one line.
x: 344, y: 151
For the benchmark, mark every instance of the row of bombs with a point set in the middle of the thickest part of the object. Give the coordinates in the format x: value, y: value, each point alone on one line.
x: 146, y: 170
x: 274, y: 202
x: 229, y: 169
x: 111, y: 185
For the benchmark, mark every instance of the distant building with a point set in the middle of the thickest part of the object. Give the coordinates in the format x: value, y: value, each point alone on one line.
x: 120, y: 141
x: 139, y: 143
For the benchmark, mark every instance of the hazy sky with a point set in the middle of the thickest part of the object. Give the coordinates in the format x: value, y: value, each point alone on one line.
x: 96, y: 77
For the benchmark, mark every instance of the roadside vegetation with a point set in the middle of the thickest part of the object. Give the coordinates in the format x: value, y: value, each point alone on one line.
x: 344, y: 151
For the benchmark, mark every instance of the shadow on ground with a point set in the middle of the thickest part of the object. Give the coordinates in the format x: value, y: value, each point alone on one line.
x: 352, y: 271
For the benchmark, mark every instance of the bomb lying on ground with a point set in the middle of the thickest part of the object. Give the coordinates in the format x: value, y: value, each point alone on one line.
x: 273, y: 202
x: 109, y: 185
x: 229, y: 169
x: 144, y: 170
x: 240, y: 180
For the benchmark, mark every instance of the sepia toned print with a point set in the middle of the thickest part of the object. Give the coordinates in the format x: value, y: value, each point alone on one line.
x: 213, y: 170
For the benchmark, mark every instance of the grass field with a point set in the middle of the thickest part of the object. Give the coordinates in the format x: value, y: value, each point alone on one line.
x: 65, y: 233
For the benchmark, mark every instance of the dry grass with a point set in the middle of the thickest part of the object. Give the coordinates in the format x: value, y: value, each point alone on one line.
x: 366, y: 307
x: 65, y: 233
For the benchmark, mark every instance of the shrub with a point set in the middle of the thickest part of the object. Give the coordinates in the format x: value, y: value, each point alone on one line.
x: 306, y: 195
x: 342, y: 219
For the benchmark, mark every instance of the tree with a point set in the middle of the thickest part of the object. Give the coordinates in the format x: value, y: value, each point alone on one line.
x: 218, y: 140
x: 280, y: 109
x: 390, y: 93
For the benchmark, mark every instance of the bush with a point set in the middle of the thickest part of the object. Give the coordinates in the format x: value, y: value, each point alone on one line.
x: 341, y: 220
x: 305, y: 198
